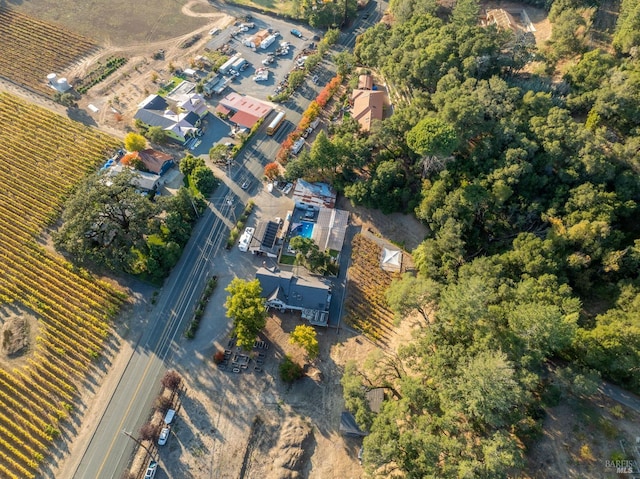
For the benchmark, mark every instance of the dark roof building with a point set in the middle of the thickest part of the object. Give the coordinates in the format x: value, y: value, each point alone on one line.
x: 154, y: 111
x: 153, y: 102
x: 375, y: 397
x: 282, y: 290
x: 349, y: 426
x: 265, y: 239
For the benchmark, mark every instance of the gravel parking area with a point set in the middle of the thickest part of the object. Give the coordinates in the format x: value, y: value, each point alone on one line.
x: 244, y: 83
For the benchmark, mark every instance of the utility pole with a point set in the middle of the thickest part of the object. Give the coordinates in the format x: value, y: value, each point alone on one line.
x: 139, y: 443
x: 344, y: 21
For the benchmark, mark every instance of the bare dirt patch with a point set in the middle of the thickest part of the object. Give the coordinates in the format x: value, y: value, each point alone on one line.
x: 251, y: 424
x: 116, y: 22
x: 537, y: 16
x: 580, y: 436
x: 401, y: 229
x: 18, y: 331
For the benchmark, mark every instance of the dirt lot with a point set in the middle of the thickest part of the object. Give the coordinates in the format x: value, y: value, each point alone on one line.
x: 252, y: 424
x: 581, y: 438
x: 116, y: 23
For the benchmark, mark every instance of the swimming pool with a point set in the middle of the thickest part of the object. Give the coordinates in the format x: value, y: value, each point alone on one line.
x: 305, y: 229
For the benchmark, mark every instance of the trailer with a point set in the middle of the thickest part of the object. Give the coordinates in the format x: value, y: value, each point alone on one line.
x: 267, y: 42
x: 221, y: 86
x: 238, y: 64
x: 297, y: 146
x: 226, y: 66
x: 210, y: 86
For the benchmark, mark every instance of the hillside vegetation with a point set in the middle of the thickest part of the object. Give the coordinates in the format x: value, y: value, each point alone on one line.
x: 529, y: 185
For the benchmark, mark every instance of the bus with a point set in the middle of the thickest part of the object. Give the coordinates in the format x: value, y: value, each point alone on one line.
x: 276, y: 122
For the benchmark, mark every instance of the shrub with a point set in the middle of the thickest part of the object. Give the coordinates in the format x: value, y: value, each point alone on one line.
x: 290, y: 370
x: 171, y: 380
x: 191, y: 330
x: 148, y: 432
x: 586, y: 454
x: 163, y: 404
x: 218, y: 357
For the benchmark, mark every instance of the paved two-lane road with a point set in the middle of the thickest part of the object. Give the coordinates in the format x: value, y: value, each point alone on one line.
x: 109, y: 450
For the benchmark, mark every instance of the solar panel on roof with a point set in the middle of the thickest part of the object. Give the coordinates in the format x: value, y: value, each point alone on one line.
x: 270, y: 234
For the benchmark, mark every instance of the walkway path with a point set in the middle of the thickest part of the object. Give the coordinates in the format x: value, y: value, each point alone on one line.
x: 620, y: 395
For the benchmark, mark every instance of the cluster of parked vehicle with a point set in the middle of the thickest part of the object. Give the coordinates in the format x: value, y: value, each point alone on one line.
x: 152, y: 468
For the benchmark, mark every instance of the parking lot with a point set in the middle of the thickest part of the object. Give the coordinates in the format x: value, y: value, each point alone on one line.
x: 244, y: 83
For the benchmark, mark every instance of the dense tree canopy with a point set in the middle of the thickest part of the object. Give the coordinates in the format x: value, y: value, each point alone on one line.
x: 108, y: 221
x: 530, y: 189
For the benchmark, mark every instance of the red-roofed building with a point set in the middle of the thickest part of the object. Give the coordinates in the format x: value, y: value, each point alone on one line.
x: 368, y: 105
x: 222, y: 109
x: 246, y: 109
x: 153, y: 160
x: 365, y: 82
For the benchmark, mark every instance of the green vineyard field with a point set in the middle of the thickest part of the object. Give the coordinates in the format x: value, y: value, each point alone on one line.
x: 42, y: 156
x: 31, y: 49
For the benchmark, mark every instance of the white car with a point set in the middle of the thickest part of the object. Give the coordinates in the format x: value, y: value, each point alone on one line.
x: 245, y: 185
x: 164, y: 435
x: 214, y: 31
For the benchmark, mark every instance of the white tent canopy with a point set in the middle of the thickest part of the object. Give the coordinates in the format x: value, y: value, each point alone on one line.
x: 391, y: 260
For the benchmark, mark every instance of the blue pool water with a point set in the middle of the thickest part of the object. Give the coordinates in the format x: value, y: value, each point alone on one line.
x: 305, y: 229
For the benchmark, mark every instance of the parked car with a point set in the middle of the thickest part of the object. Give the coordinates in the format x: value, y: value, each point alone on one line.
x: 151, y: 470
x: 287, y: 188
x: 214, y: 31
x: 164, y: 435
x: 296, y: 33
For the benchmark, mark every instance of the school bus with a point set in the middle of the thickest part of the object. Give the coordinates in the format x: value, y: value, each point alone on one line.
x: 276, y: 123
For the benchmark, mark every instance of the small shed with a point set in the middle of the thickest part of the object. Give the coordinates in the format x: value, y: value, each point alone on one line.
x: 375, y: 397
x: 391, y: 260
x: 190, y: 72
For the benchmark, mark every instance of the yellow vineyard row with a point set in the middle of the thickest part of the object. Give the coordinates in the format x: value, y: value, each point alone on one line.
x: 43, y: 156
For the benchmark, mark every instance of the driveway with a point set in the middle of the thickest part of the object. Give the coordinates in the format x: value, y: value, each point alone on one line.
x: 620, y: 395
